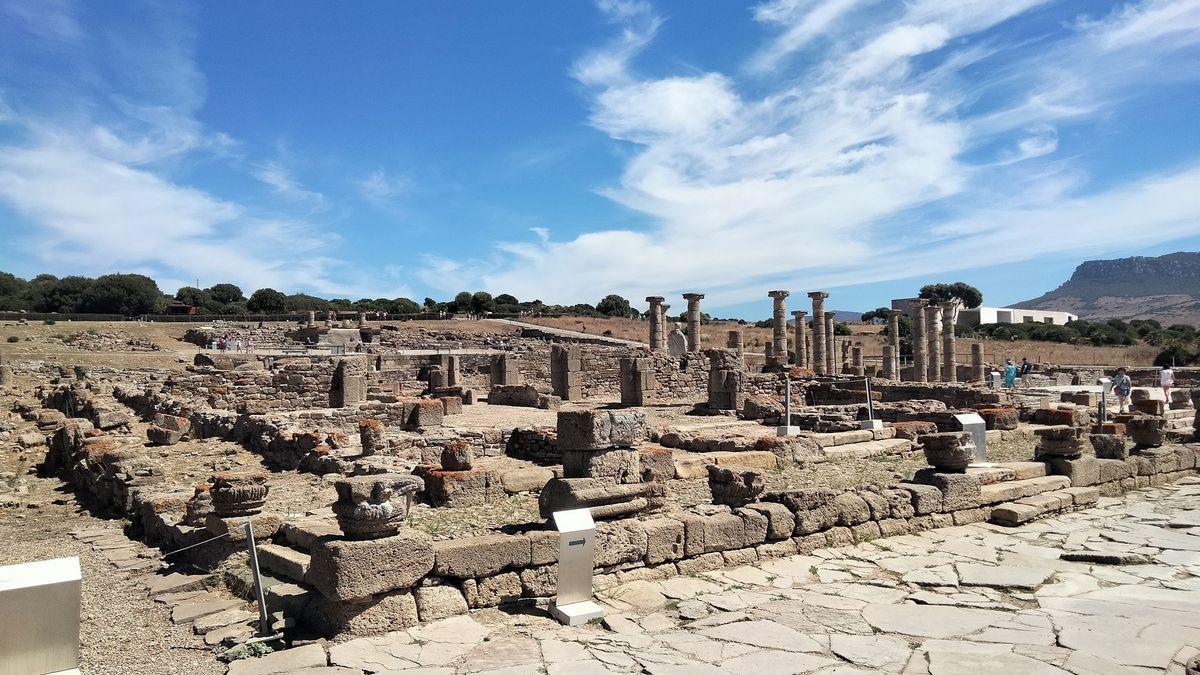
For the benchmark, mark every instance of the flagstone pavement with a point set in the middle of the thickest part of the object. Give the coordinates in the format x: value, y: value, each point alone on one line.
x: 1114, y: 589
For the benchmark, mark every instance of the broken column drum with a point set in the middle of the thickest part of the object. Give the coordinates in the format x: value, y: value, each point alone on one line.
x: 978, y: 370
x: 889, y: 355
x: 239, y: 493
x: 693, y: 320
x: 734, y: 341
x: 370, y: 433
x: 799, y: 333
x: 818, y: 332
x: 856, y: 360
x: 374, y: 506
x: 950, y: 451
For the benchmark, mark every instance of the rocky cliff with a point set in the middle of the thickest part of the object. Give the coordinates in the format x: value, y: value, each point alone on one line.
x: 1166, y: 288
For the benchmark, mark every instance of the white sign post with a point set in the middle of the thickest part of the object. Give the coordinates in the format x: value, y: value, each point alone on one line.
x: 1105, y: 389
x: 573, y: 605
x: 39, y: 617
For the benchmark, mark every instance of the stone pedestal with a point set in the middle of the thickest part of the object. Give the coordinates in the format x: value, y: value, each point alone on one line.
x: 347, y: 569
x: 799, y: 333
x: 312, y: 319
x: 350, y: 382
x: 734, y: 341
x: 1146, y: 432
x: 949, y: 452
x: 239, y: 493
x: 818, y: 332
x: 637, y: 380
x: 856, y: 361
x: 1059, y: 441
x: 362, y: 319
x: 779, y: 354
x: 566, y: 371
x: 370, y: 433
x: 505, y: 371
x: 693, y: 320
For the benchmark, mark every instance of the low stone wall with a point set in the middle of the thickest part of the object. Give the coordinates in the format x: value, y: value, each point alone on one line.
x: 294, y: 383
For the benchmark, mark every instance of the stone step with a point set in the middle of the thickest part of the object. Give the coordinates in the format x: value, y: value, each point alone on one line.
x: 1028, y: 508
x: 186, y: 612
x: 1008, y: 471
x: 695, y: 464
x: 284, y: 561
x: 866, y: 449
x: 855, y: 436
x: 300, y: 534
x: 174, y: 582
x: 1012, y: 490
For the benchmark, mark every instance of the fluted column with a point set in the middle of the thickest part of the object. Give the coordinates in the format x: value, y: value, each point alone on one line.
x: 693, y: 320
x: 856, y: 360
x: 798, y: 332
x: 829, y: 355
x: 888, y: 363
x: 920, y: 343
x: 818, y: 331
x: 894, y: 338
x: 978, y: 370
x: 933, y: 335
x: 949, y: 365
x: 779, y: 354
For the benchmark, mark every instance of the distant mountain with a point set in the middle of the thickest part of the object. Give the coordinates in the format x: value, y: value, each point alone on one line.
x: 843, y: 315
x: 1166, y: 288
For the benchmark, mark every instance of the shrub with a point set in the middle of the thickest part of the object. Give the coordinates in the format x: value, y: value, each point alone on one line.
x: 13, y: 338
x: 49, y: 322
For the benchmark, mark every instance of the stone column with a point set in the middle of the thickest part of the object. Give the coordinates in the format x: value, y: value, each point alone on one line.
x: 846, y: 363
x: 693, y: 320
x: 889, y: 355
x: 566, y: 376
x: 799, y: 333
x: 657, y: 337
x: 312, y: 318
x: 808, y: 348
x: 779, y: 330
x: 818, y: 332
x: 856, y: 360
x: 829, y: 355
x: 330, y: 317
x: 919, y: 342
x: 978, y: 370
x: 734, y: 341
x: 505, y: 371
x: 362, y: 319
x: 933, y: 336
x: 894, y: 340
x: 949, y: 365
x: 637, y: 380
x: 724, y: 380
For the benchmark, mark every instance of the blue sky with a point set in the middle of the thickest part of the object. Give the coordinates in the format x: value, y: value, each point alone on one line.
x: 563, y: 151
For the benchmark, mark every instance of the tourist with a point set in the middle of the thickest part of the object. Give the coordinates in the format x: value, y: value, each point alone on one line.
x: 1166, y: 379
x: 1026, y: 371
x: 1122, y: 386
x: 1010, y: 374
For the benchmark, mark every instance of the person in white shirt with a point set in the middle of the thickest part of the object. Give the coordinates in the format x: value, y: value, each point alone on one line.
x: 1166, y: 379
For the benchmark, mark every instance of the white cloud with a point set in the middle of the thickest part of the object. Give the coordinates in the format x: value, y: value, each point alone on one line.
x: 279, y: 178
x: 381, y: 187
x: 823, y: 176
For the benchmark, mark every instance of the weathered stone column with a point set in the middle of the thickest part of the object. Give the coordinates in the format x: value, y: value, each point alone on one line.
x: 362, y: 319
x: 978, y: 370
x: 505, y: 371
x: 888, y: 372
x: 693, y: 320
x: 933, y: 335
x: 330, y: 318
x: 829, y: 355
x: 799, y: 333
x: 856, y: 360
x: 312, y: 318
x: 566, y: 376
x: 724, y: 380
x: 846, y: 363
x: 657, y: 337
x: 637, y: 380
x: 894, y: 340
x: 734, y: 341
x: 949, y: 365
x: 808, y: 348
x: 919, y: 342
x: 818, y: 331
x: 779, y: 339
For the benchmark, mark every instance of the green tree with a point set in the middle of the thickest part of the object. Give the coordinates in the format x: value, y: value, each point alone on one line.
x: 126, y: 294
x: 506, y: 299
x: 968, y: 295
x: 841, y: 328
x: 461, y: 302
x: 226, y: 294
x: 300, y: 302
x: 405, y: 306
x: 64, y: 295
x: 190, y: 295
x: 430, y: 303
x: 880, y: 314
x: 267, y: 301
x: 614, y: 305
x: 481, y: 302
x: 12, y: 291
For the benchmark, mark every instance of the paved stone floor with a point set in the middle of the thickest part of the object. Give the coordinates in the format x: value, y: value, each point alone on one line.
x: 1114, y: 589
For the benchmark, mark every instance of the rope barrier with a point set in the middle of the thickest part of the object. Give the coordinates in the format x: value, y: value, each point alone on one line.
x: 201, y: 543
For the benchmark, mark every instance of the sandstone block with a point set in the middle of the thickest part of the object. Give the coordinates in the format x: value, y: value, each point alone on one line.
x: 492, y: 591
x: 160, y: 436
x: 1114, y: 470
x: 621, y: 464
x: 1083, y: 471
x: 877, y: 503
x: 657, y: 462
x: 926, y: 499
x: 735, y: 485
x: 1109, y: 446
x: 959, y: 491
x: 852, y: 509
x: 439, y: 602
x: 357, y: 569
x: 754, y: 526
x: 781, y: 522
x: 664, y: 540
x: 866, y: 531
x: 451, y: 405
x: 378, y: 615
x: 600, y: 429
x: 619, y: 542
x: 481, y: 556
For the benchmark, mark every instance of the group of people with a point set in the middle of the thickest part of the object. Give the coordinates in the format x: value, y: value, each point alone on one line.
x: 1122, y: 385
x: 234, y: 345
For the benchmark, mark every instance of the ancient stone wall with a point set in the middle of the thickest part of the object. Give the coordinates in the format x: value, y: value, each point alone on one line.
x: 292, y: 384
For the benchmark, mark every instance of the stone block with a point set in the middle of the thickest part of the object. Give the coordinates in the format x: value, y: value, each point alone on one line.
x: 701, y: 563
x: 754, y: 526
x: 813, y: 508
x: 1109, y: 446
x: 664, y: 540
x: 1083, y: 496
x: 893, y: 527
x: 428, y: 412
x: 970, y: 516
x: 1001, y: 418
x: 451, y: 405
x: 600, y: 429
x: 161, y: 436
x: 657, y: 462
x: 619, y: 542
x: 621, y: 464
x: 735, y: 485
x: 1013, y: 513
x: 1115, y: 470
x: 439, y: 602
x: 781, y: 522
x: 711, y: 533
x: 234, y: 527
x: 493, y: 591
x: 866, y: 531
x: 539, y: 582
x: 959, y: 490
x: 543, y: 547
x: 346, y: 569
x: 926, y: 499
x: 838, y: 536
x: 1082, y: 472
x: 852, y: 509
x: 461, y: 488
x: 1185, y: 456
x: 381, y: 614
x: 877, y: 503
x: 481, y: 556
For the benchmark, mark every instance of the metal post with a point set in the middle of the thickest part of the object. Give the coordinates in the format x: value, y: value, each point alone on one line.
x: 264, y: 621
x: 870, y: 423
x: 870, y: 402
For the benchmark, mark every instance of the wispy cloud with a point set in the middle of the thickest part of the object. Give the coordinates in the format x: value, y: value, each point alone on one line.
x: 381, y: 187
x: 281, y: 181
x: 921, y: 138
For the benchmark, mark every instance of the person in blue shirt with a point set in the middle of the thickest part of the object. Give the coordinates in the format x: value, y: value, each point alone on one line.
x: 1122, y: 386
x: 1010, y: 374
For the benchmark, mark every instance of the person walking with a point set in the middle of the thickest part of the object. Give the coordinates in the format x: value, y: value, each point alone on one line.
x: 1122, y: 386
x: 1166, y: 379
x: 1025, y: 371
x: 1010, y: 374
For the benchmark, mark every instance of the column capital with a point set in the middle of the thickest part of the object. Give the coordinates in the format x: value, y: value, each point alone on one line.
x: 693, y: 297
x: 778, y: 294
x: 655, y: 299
x: 799, y: 313
x: 818, y: 295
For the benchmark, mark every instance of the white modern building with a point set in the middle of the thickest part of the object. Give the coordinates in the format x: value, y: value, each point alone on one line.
x: 982, y: 315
